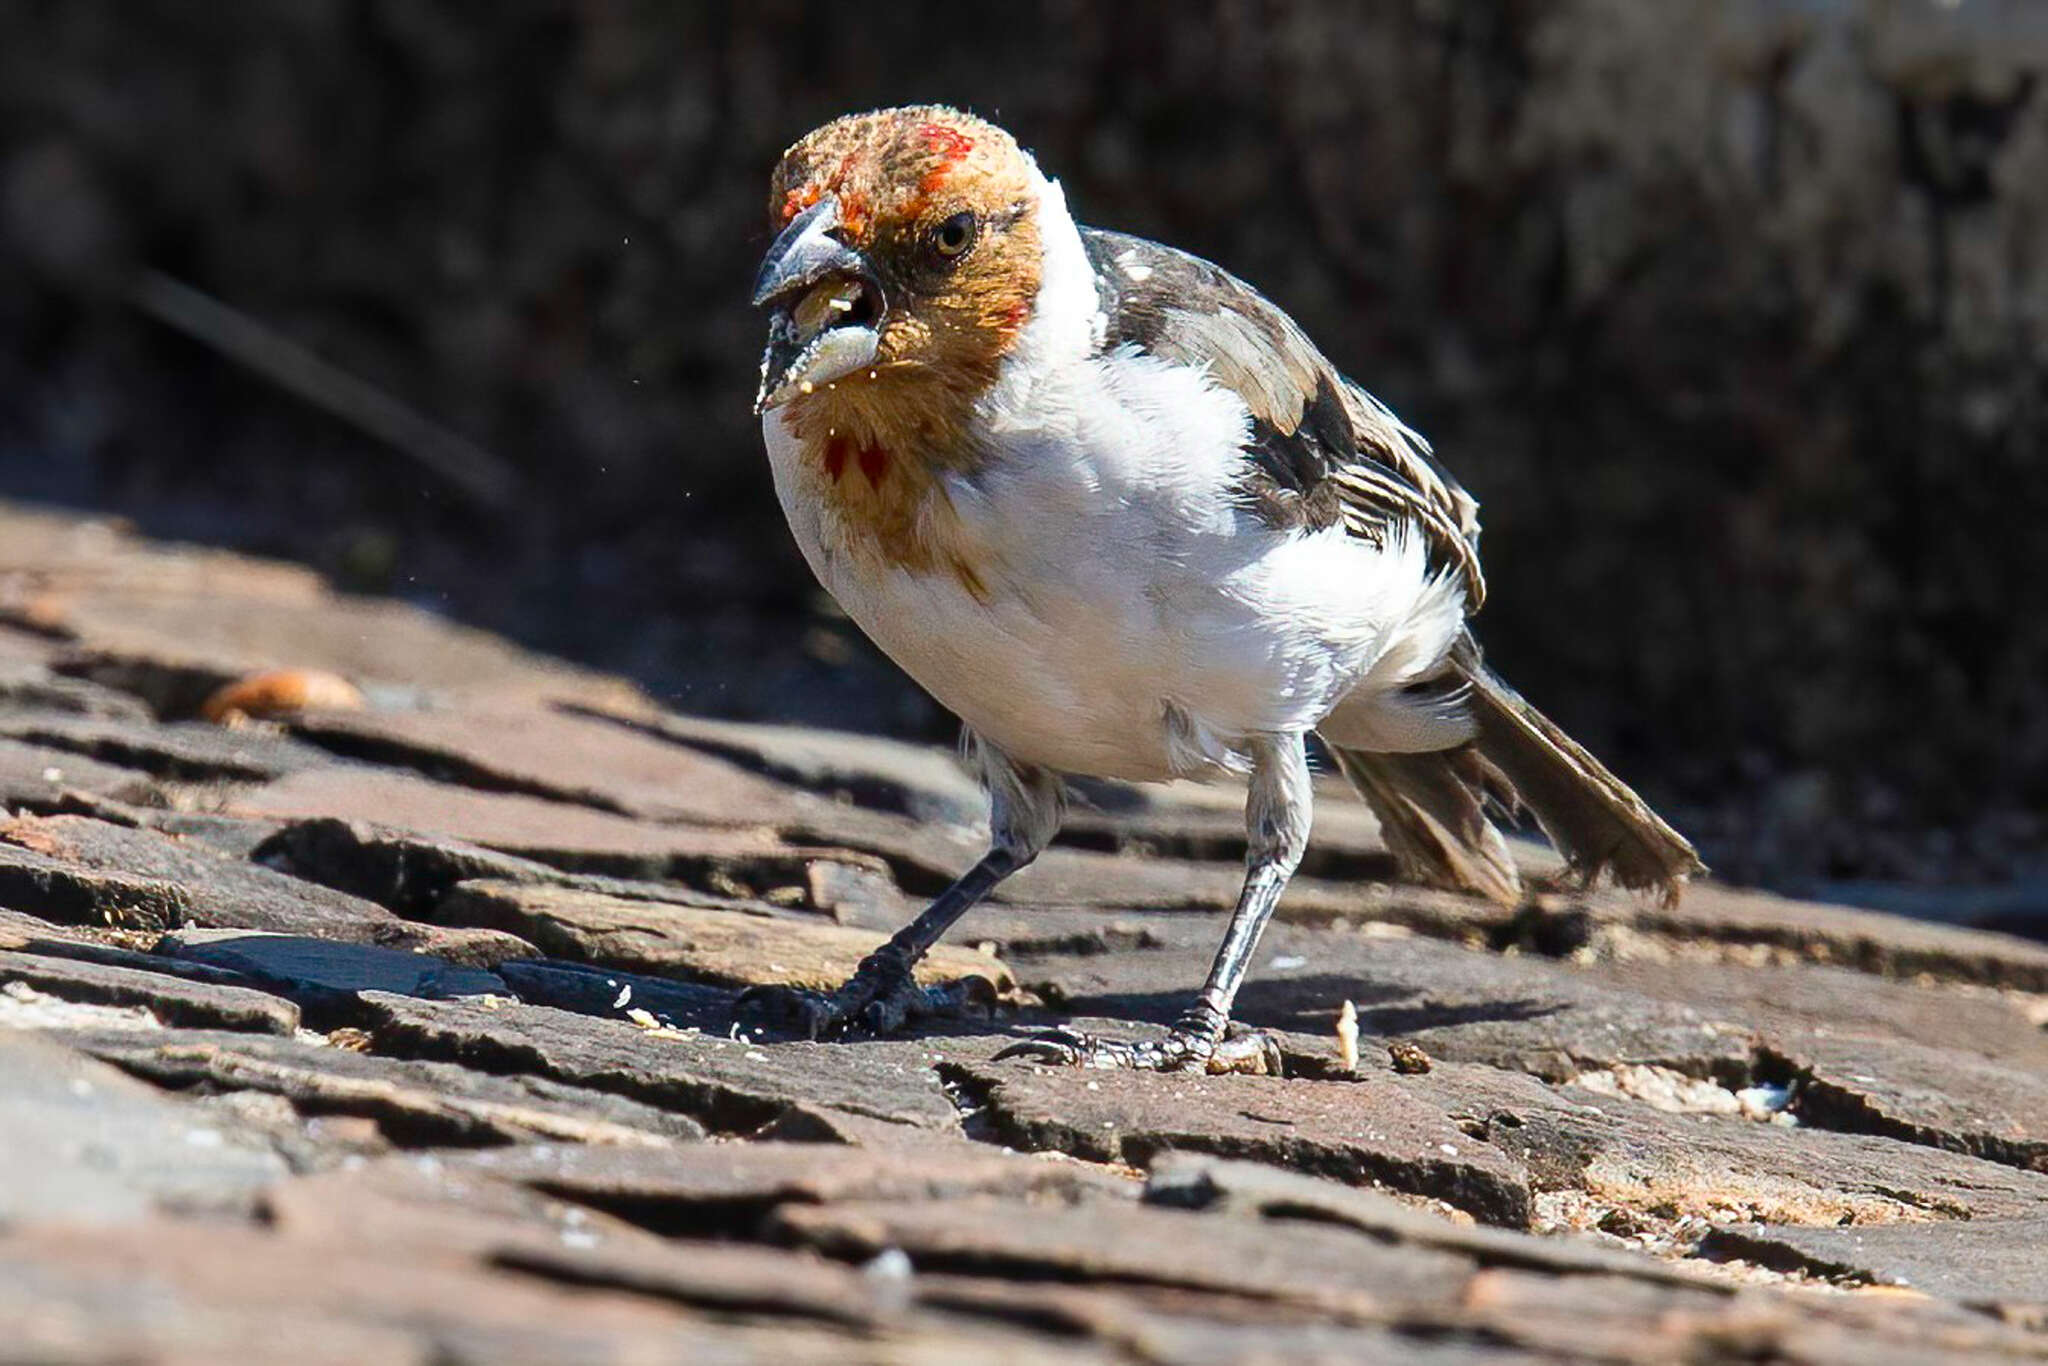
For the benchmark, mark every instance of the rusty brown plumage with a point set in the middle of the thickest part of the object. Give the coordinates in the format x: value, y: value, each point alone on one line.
x: 899, y: 175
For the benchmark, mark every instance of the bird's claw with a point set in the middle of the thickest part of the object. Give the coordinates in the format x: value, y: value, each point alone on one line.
x: 1240, y: 1050
x: 803, y: 1011
x: 881, y: 997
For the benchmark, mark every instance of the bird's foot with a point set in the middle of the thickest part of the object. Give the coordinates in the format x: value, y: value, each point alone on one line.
x: 1188, y: 1047
x: 881, y: 997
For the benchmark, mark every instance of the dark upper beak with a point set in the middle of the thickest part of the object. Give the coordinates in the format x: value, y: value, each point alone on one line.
x: 806, y: 253
x: 808, y: 348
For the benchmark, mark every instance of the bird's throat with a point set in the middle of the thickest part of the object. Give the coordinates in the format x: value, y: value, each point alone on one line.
x: 880, y: 489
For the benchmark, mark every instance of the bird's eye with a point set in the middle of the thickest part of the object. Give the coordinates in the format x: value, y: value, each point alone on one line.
x: 953, y: 236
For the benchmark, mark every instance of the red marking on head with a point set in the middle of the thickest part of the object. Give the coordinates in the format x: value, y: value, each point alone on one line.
x: 835, y: 457
x: 951, y: 146
x: 799, y: 199
x: 874, y: 463
x: 854, y: 212
x: 1013, y: 317
x: 947, y: 141
x: 854, y: 209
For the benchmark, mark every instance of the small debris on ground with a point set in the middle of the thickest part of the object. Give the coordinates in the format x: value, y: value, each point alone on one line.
x: 1408, y: 1060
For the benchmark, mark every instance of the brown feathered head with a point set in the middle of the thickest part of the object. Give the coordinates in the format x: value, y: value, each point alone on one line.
x: 907, y: 256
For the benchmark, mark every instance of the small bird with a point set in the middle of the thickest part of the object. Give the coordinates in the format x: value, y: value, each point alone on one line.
x: 1115, y: 510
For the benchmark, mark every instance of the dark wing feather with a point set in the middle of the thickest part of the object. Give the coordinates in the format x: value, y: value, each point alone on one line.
x: 1323, y: 450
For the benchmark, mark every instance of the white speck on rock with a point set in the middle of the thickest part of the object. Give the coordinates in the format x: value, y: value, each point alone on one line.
x: 890, y: 1264
x: 1767, y: 1104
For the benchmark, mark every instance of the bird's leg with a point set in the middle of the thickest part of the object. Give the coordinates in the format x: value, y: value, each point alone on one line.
x: 1026, y: 805
x: 1277, y: 811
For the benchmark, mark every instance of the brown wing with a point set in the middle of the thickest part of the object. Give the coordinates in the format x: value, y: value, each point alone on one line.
x: 1323, y: 450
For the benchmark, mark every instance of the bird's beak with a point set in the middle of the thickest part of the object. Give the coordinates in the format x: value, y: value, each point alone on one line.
x: 827, y: 307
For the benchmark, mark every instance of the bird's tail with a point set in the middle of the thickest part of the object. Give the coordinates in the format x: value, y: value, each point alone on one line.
x: 1433, y: 807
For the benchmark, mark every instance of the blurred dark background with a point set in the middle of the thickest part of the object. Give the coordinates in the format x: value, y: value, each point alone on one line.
x: 1734, y: 315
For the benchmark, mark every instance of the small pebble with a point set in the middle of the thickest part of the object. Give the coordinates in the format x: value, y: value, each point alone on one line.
x: 1408, y: 1060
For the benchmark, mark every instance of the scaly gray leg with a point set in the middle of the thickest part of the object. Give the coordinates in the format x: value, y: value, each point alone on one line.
x: 1277, y: 811
x: 1026, y: 805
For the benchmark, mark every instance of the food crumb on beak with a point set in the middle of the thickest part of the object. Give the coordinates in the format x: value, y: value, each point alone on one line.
x: 829, y: 301
x: 829, y: 331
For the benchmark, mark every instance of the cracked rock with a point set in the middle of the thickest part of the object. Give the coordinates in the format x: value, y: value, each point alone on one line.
x: 1526, y: 1014
x: 733, y: 1185
x: 731, y: 1085
x: 576, y: 839
x: 1368, y: 1132
x: 319, y: 972
x: 88, y: 872
x: 1944, y: 1097
x: 171, y: 999
x: 415, y: 1102
x: 727, y: 946
x: 1994, y: 1263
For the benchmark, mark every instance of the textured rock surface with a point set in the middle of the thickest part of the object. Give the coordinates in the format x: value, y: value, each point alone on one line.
x: 729, y: 945
x: 727, y: 1082
x: 410, y: 1037
x: 85, y: 1143
x: 566, y: 837
x: 1367, y: 1132
x: 172, y: 1001
x: 1996, y: 1263
x: 415, y: 1103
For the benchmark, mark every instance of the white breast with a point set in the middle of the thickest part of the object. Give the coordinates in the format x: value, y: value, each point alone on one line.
x: 1135, y: 623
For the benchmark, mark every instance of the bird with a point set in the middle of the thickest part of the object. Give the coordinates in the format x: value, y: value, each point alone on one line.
x: 1112, y: 508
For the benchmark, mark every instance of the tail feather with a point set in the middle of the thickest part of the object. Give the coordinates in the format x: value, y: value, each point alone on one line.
x: 1433, y: 807
x: 1596, y: 821
x: 1432, y: 813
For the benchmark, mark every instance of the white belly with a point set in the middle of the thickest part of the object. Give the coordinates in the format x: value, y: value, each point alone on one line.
x: 1046, y: 679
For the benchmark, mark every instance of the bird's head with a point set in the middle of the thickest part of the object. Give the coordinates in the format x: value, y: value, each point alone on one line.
x: 906, y: 258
